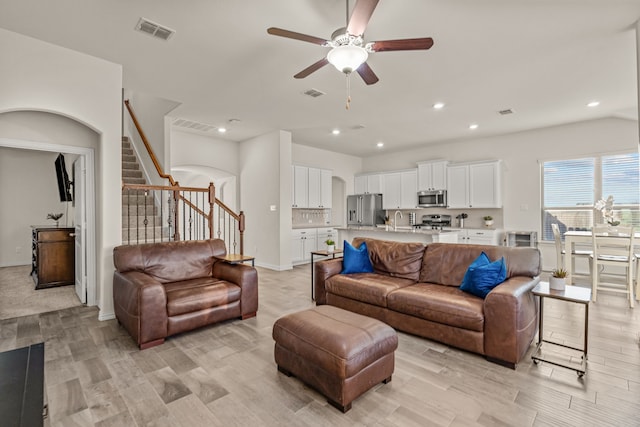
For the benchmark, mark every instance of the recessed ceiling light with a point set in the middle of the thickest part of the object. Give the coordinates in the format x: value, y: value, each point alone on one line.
x: 593, y: 104
x: 222, y: 130
x: 473, y: 126
x: 438, y: 105
x: 336, y: 131
x: 380, y: 144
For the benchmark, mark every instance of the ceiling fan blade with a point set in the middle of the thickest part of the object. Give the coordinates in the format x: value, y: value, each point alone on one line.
x: 360, y: 16
x: 367, y: 74
x: 296, y: 36
x: 405, y: 44
x: 311, y: 68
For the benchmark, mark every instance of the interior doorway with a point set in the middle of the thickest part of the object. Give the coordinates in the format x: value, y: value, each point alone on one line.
x: 88, y: 158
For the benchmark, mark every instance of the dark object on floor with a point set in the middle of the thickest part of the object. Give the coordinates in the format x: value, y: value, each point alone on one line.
x: 22, y: 386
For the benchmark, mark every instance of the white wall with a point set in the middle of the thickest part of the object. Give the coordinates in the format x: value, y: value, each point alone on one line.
x: 40, y: 76
x: 151, y: 113
x: 214, y: 160
x: 521, y: 154
x: 32, y: 173
x: 265, y: 181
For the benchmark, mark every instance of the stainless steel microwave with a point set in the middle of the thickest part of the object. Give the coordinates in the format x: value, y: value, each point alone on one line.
x: 432, y: 198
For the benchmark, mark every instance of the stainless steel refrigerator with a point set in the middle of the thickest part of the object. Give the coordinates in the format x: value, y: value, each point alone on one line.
x: 365, y: 209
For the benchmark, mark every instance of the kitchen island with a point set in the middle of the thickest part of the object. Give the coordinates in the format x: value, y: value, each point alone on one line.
x: 400, y: 234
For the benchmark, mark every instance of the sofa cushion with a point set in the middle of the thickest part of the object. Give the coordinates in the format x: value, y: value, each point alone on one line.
x: 170, y: 261
x: 356, y: 259
x: 442, y: 304
x: 193, y: 295
x: 446, y: 263
x: 480, y: 279
x: 396, y: 259
x: 371, y: 288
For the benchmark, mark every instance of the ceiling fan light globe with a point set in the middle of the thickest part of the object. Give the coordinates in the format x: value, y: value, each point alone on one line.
x: 347, y: 58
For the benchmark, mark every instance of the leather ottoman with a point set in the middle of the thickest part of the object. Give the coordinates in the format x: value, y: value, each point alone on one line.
x: 339, y: 353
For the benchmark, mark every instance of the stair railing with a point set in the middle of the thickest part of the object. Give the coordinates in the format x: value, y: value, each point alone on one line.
x: 181, y: 213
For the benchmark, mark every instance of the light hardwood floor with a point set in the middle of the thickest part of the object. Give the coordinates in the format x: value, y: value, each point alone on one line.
x: 225, y: 375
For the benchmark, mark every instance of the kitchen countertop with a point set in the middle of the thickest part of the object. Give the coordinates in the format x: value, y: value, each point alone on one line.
x: 401, y: 229
x: 296, y: 227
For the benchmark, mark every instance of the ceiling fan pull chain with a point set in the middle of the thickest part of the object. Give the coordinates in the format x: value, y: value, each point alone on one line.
x: 348, y: 92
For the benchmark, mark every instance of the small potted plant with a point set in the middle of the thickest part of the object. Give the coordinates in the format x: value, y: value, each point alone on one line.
x: 331, y: 245
x: 556, y: 281
x: 488, y: 220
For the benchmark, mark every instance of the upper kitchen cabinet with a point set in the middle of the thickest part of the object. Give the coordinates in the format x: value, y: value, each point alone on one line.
x: 432, y: 175
x: 370, y: 183
x: 474, y: 185
x: 400, y: 189
x: 311, y: 188
x: 300, y: 180
x: 319, y: 188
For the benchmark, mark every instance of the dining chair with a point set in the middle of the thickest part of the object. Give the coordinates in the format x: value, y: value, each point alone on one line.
x: 613, y: 248
x: 560, y: 253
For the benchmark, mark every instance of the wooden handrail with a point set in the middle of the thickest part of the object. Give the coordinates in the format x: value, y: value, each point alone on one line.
x: 175, y: 187
x: 147, y: 145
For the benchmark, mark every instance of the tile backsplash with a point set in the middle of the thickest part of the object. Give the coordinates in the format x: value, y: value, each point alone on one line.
x: 310, y: 217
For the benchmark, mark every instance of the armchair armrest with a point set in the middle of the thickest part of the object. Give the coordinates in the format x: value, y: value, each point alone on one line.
x: 323, y: 270
x: 511, y: 319
x: 246, y: 278
x: 140, y: 304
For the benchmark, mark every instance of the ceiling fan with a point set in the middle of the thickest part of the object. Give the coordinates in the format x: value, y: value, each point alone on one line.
x: 348, y: 50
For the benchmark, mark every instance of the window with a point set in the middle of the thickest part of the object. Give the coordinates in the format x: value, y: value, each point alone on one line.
x: 571, y: 188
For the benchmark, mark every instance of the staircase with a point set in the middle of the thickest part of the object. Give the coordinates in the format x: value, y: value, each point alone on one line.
x: 141, y: 222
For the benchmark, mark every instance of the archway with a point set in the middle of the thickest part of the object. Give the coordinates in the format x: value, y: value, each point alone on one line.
x: 40, y: 131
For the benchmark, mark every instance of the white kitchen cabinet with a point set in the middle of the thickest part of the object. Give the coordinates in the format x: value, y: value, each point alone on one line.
x: 300, y: 187
x: 391, y: 190
x: 458, y: 186
x: 369, y: 183
x: 432, y: 175
x: 400, y: 189
x: 485, y: 185
x: 326, y: 195
x: 303, y: 241
x: 325, y: 233
x: 311, y: 188
x: 409, y: 189
x: 474, y: 185
x: 479, y: 236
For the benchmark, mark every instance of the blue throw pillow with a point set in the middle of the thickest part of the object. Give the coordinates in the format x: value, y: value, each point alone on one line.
x: 356, y: 260
x: 481, y: 279
x: 483, y: 259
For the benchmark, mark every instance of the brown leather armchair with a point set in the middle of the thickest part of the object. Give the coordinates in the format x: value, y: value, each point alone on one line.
x: 161, y: 289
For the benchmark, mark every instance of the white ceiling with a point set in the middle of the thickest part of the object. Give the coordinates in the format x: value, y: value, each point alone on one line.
x: 545, y: 59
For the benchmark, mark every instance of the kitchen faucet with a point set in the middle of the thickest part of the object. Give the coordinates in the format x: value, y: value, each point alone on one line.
x: 395, y: 219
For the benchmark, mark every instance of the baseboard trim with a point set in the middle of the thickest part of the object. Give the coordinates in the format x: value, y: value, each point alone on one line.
x: 102, y: 315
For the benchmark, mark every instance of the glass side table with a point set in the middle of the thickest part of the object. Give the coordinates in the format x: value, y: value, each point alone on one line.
x: 573, y: 294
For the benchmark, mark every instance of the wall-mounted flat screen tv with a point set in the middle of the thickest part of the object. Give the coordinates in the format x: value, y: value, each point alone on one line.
x: 64, y: 184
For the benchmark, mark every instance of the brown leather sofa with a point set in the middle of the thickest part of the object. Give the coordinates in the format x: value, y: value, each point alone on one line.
x: 414, y: 288
x: 162, y: 289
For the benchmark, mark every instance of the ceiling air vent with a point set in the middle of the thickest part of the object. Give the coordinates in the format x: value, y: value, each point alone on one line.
x: 190, y: 124
x: 314, y: 93
x: 505, y: 112
x: 154, y: 29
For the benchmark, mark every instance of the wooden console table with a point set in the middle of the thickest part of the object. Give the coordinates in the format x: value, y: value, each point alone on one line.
x: 52, y: 256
